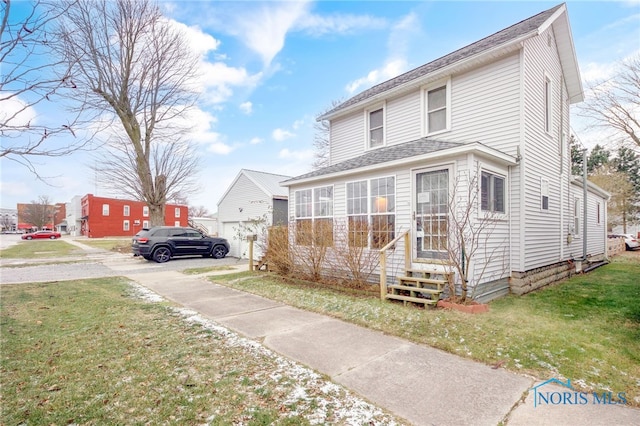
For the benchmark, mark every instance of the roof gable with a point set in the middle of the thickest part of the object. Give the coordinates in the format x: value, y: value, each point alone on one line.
x: 268, y: 183
x: 510, y: 36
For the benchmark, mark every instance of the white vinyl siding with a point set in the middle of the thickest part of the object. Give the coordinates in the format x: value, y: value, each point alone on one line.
x: 347, y: 137
x: 544, y: 194
x: 544, y: 237
x: 403, y: 119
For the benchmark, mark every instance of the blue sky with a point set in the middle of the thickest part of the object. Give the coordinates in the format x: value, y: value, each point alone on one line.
x: 270, y: 67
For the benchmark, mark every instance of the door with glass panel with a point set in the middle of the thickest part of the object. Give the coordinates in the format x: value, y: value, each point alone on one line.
x: 431, y: 214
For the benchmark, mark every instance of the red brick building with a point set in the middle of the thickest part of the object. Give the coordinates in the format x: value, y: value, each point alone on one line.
x: 112, y: 217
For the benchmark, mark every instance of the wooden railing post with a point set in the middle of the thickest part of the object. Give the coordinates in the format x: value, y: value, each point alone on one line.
x: 383, y: 275
x: 407, y: 252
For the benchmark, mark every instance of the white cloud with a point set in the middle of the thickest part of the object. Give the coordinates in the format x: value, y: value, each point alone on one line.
x: 256, y: 141
x: 264, y: 27
x: 220, y: 148
x: 16, y: 112
x: 281, y: 135
x: 297, y: 124
x: 318, y: 25
x: 387, y: 71
x: 219, y: 79
x: 246, y: 107
x: 304, y: 155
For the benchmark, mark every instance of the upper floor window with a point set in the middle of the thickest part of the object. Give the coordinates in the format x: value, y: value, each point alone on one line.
x: 125, y: 211
x: 544, y: 194
x: 547, y: 105
x: 177, y: 213
x: 437, y: 111
x: 105, y: 210
x: 376, y: 128
x: 145, y: 211
x: 492, y: 193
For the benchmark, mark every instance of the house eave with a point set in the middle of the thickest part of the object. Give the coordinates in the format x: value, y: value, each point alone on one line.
x: 475, y: 148
x: 451, y: 69
x: 591, y: 187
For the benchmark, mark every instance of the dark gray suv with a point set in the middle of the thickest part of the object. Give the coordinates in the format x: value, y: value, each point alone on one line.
x: 161, y: 243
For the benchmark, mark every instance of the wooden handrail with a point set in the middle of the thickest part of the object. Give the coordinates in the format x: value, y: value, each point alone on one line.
x: 383, y: 260
x: 395, y: 240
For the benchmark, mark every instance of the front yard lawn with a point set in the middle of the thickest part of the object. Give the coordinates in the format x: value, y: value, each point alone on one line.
x: 93, y: 352
x: 586, y: 329
x: 40, y: 249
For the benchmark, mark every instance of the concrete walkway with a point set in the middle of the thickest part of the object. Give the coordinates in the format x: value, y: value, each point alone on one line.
x: 423, y: 385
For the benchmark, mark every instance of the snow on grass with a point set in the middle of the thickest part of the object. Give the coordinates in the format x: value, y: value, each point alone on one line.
x: 317, y: 399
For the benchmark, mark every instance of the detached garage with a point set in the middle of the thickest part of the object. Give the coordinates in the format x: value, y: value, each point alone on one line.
x: 253, y: 201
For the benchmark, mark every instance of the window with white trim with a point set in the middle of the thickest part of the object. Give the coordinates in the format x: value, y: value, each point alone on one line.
x: 105, y: 210
x: 126, y: 211
x: 376, y: 128
x: 492, y: 192
x: 176, y: 223
x: 576, y: 216
x: 314, y: 216
x: 436, y: 103
x: 125, y: 225
x: 544, y: 194
x: 383, y: 211
x: 145, y: 224
x: 145, y: 211
x: 177, y: 213
x: 357, y: 214
x: 548, y: 104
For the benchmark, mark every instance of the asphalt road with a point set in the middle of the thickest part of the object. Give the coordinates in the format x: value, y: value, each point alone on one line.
x: 94, y: 263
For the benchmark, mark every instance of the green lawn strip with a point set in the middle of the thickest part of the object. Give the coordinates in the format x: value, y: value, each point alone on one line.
x: 87, y: 352
x: 39, y: 249
x: 205, y: 269
x: 586, y: 329
x: 57, y: 262
x: 122, y: 245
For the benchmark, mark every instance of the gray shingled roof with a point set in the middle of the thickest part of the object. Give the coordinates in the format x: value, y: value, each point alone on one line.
x: 382, y: 155
x: 501, y: 37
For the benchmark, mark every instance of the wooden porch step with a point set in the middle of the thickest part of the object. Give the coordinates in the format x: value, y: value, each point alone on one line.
x: 412, y: 299
x: 412, y: 271
x: 415, y: 289
x: 419, y: 280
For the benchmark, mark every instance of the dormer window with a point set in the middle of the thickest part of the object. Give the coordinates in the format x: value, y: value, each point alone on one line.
x: 376, y: 128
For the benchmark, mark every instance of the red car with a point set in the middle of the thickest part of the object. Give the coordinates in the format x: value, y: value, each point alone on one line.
x: 41, y: 234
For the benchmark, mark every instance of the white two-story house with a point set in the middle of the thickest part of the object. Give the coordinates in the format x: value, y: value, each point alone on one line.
x: 495, y: 113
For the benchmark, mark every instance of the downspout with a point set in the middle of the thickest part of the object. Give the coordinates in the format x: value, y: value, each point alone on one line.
x: 584, y: 205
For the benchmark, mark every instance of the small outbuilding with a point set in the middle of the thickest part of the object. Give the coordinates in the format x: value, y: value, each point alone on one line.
x: 253, y: 201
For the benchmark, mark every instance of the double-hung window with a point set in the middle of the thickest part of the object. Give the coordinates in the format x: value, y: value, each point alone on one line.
x: 177, y: 212
x: 105, y: 210
x: 436, y: 106
x: 357, y: 214
x: 492, y: 193
x: 383, y: 211
x: 314, y: 216
x: 125, y: 225
x: 145, y: 211
x: 547, y: 104
x: 376, y: 128
x: 126, y: 210
x: 576, y: 216
x: 371, y: 207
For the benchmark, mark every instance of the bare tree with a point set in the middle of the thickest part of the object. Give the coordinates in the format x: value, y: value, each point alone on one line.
x: 615, y: 103
x: 470, y: 234
x: 199, y: 211
x: 39, y: 213
x: 7, y: 222
x: 621, y: 208
x: 28, y: 81
x: 135, y: 73
x: 321, y: 138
